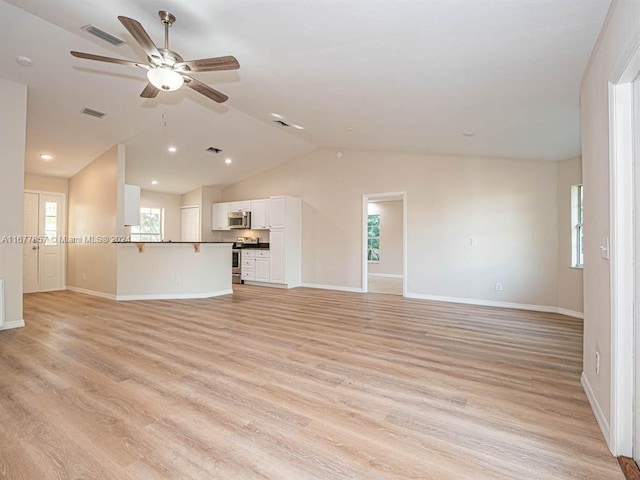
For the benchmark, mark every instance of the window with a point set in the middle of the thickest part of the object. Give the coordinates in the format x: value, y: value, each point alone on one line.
x: 51, y: 222
x: 373, y: 238
x: 151, y: 226
x: 577, y: 242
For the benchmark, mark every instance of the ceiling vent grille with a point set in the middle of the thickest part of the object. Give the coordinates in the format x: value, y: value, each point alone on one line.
x: 281, y: 123
x: 213, y: 150
x: 92, y: 112
x: 101, y: 34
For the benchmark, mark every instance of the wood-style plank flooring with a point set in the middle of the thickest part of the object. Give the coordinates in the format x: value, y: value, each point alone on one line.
x: 301, y: 384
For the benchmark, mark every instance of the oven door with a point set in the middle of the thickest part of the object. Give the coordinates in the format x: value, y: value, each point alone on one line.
x: 236, y: 265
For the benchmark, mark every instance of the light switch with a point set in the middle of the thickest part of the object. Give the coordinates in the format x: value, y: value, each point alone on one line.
x: 473, y: 242
x: 604, y: 248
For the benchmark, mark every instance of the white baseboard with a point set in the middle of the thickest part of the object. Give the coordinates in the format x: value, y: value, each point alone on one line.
x: 492, y: 303
x: 267, y: 284
x: 384, y: 275
x: 14, y: 324
x: 93, y: 293
x: 173, y: 296
x: 332, y: 287
x: 597, y: 411
x: 570, y: 313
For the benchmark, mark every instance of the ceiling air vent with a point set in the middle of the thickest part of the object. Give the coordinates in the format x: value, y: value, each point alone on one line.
x: 101, y: 34
x: 213, y: 150
x: 93, y: 113
x: 281, y: 123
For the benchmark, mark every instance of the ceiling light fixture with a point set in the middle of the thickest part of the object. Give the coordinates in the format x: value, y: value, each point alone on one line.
x: 154, y: 182
x: 46, y: 156
x: 468, y: 134
x: 24, y: 61
x: 164, y: 78
x: 275, y: 115
x: 228, y: 161
x: 172, y: 149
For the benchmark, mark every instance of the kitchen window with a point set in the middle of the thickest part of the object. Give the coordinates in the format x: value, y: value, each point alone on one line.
x: 373, y: 238
x: 151, y: 226
x: 577, y: 241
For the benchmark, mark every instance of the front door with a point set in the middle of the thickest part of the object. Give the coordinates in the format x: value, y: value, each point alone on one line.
x: 30, y: 245
x: 43, y: 253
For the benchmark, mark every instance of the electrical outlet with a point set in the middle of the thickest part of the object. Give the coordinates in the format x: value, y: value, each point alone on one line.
x: 473, y: 242
x: 498, y: 287
x: 178, y: 280
x: 597, y: 363
x: 84, y: 277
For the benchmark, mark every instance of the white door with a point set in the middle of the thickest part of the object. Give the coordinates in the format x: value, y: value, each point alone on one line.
x: 43, y: 251
x: 30, y: 249
x: 190, y: 224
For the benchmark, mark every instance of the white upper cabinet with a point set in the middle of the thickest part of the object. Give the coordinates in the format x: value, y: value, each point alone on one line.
x: 131, y: 205
x: 260, y: 214
x: 220, y: 216
x: 243, y: 206
x: 277, y: 212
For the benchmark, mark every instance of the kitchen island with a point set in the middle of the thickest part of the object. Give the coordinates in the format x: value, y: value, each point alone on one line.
x: 173, y: 270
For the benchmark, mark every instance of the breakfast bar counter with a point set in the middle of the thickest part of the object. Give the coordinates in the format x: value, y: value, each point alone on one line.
x: 173, y: 270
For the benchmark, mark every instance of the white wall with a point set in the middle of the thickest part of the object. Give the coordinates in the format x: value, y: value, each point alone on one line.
x: 390, y: 237
x: 508, y: 206
x: 94, y: 212
x: 618, y: 40
x: 171, y: 205
x: 13, y: 125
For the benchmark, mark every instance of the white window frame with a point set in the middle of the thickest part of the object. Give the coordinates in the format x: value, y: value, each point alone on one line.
x: 136, y: 235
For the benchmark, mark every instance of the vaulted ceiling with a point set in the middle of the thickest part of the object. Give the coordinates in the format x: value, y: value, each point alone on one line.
x: 390, y: 75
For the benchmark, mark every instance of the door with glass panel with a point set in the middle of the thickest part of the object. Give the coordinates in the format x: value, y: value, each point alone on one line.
x: 44, y: 248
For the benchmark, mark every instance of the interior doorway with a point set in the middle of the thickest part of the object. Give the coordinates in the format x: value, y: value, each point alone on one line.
x: 43, y: 242
x: 384, y: 243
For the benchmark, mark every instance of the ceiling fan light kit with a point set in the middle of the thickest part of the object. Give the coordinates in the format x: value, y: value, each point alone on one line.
x: 166, y: 70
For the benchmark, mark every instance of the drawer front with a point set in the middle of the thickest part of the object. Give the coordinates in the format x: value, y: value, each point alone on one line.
x: 251, y: 275
x: 248, y: 263
x: 262, y: 254
x: 249, y: 253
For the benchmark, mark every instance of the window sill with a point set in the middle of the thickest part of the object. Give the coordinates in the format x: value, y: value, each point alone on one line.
x: 373, y: 261
x: 576, y: 267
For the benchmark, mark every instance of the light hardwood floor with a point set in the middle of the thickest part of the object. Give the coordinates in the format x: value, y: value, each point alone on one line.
x: 302, y: 384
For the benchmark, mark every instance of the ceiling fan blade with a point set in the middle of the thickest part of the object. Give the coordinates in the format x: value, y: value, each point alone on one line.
x: 205, y: 90
x: 141, y: 36
x: 149, y: 91
x: 209, y: 64
x: 100, y: 58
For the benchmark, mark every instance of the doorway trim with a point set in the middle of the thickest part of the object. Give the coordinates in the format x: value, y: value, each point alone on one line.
x: 621, y: 254
x: 365, y: 204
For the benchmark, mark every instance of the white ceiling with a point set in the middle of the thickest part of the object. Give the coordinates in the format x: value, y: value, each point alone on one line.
x: 392, y: 75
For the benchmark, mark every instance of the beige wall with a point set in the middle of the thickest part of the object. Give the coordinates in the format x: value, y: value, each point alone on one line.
x: 13, y: 125
x: 171, y: 205
x: 619, y: 38
x: 390, y: 237
x: 569, y: 279
x: 508, y: 206
x: 93, y: 212
x: 46, y: 184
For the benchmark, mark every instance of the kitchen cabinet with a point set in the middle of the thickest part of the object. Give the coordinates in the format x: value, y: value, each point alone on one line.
x: 131, y: 205
x: 243, y: 206
x: 220, y: 216
x: 285, y: 238
x: 255, y: 265
x: 277, y: 210
x: 260, y: 214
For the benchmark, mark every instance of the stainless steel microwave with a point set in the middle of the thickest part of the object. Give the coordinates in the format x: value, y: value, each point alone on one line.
x: 240, y: 220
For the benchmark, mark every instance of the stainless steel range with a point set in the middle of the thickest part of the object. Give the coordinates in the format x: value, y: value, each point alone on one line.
x: 236, y: 264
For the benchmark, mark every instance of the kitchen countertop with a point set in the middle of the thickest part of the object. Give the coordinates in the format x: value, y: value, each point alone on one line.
x: 259, y: 246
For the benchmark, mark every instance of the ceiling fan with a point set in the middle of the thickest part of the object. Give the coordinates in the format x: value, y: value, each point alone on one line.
x: 166, y: 70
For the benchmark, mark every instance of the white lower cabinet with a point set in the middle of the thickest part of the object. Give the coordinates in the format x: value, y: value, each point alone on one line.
x: 255, y: 265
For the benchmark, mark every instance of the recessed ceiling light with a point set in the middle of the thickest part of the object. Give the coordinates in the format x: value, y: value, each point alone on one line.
x: 46, y: 156
x: 350, y: 129
x: 339, y: 154
x: 172, y: 149
x: 24, y: 61
x: 468, y: 134
x: 228, y: 161
x: 154, y: 182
